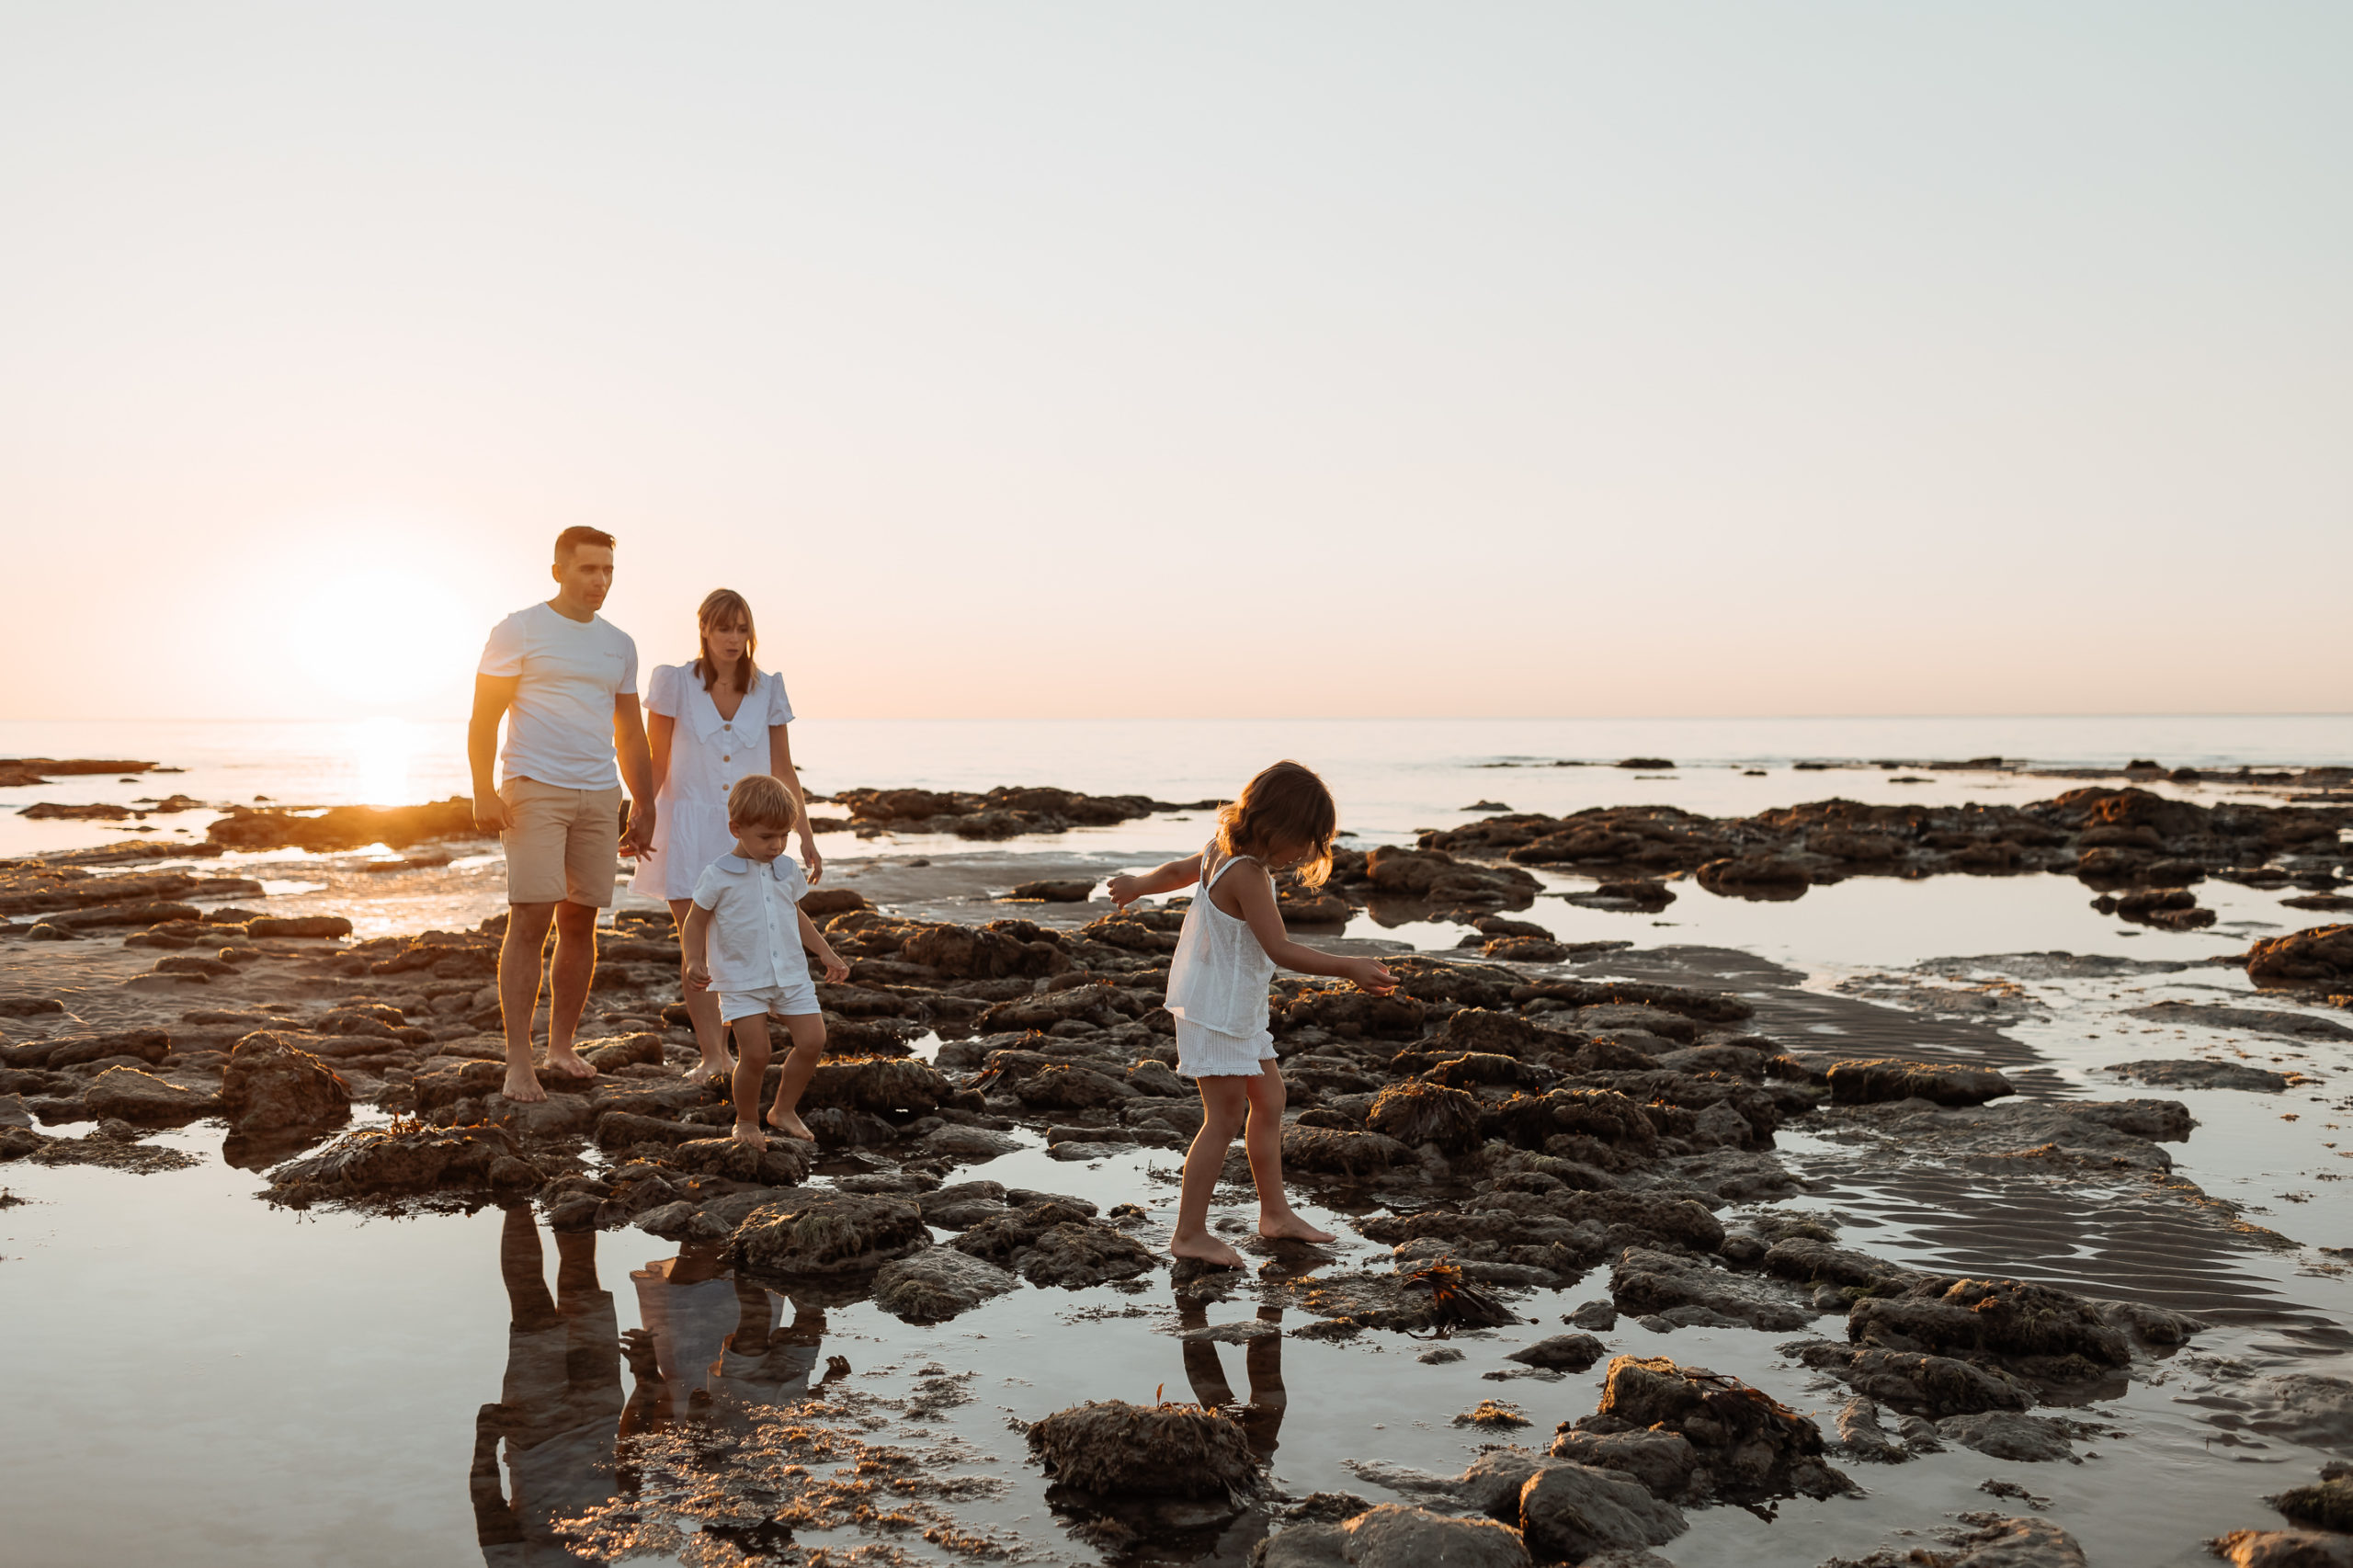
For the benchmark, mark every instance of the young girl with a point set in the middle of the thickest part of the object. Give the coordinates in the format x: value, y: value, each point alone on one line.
x: 1232, y: 942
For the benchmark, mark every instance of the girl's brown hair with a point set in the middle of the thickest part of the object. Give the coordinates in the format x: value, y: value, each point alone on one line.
x: 723, y: 609
x: 1285, y: 804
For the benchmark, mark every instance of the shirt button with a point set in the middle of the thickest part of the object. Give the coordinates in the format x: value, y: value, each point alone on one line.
x: 726, y: 726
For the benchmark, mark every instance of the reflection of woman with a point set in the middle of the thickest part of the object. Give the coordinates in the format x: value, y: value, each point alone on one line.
x: 710, y: 723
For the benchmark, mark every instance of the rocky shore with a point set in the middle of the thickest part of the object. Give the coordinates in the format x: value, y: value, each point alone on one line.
x: 1521, y: 1118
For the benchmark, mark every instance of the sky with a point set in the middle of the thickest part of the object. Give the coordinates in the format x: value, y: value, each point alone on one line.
x: 1307, y: 359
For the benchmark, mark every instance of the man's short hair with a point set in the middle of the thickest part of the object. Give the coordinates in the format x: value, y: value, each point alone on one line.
x: 760, y: 800
x: 571, y: 540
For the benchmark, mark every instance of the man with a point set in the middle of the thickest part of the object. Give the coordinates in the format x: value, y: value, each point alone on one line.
x: 566, y: 680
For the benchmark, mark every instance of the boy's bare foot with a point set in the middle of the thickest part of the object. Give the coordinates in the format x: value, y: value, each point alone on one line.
x: 522, y: 1086
x: 747, y: 1134
x: 792, y: 1126
x: 1292, y: 1228
x: 1206, y: 1249
x: 564, y: 1063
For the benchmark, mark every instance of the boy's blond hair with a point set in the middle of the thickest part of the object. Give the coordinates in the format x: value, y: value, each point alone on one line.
x: 760, y: 800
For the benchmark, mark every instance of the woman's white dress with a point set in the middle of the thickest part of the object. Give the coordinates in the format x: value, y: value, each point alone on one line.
x: 707, y: 754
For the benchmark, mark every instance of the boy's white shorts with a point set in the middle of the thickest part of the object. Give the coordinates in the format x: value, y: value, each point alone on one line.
x: 797, y: 1000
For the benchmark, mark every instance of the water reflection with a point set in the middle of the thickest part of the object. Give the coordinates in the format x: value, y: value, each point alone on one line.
x: 1261, y: 1414
x: 720, y: 1344
x: 560, y: 1408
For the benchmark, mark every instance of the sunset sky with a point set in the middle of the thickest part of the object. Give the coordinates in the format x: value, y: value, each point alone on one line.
x: 1296, y: 359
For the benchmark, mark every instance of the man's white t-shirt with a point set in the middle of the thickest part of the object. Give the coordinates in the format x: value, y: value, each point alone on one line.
x: 560, y: 730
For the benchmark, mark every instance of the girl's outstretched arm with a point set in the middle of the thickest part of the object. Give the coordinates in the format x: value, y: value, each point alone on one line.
x: 1125, y: 889
x: 1257, y: 891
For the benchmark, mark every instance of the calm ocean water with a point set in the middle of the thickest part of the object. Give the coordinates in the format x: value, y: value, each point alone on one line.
x: 1392, y: 776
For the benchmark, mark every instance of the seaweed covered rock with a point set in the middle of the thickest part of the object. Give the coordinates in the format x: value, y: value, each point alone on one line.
x: 937, y: 1283
x: 877, y: 1083
x: 1054, y: 1241
x: 1573, y: 1512
x: 1917, y: 1384
x: 1750, y: 1446
x: 1992, y: 1542
x: 2048, y: 1333
x: 1395, y: 1537
x: 2282, y: 1549
x: 1695, y: 1292
x: 1942, y: 1083
x: 2321, y: 954
x: 386, y: 1164
x: 784, y: 1163
x: 1111, y: 1447
x: 1560, y: 1352
x: 2323, y: 1506
x: 829, y: 1234
x: 1332, y: 1151
x: 271, y: 1087
x: 1414, y: 1113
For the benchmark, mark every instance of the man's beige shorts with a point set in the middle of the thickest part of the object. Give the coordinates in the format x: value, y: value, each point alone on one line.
x: 563, y: 845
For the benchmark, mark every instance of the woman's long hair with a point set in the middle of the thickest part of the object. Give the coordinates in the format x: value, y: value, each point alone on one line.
x: 725, y: 610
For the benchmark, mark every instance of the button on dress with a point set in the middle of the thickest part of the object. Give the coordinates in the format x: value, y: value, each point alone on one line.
x: 707, y: 754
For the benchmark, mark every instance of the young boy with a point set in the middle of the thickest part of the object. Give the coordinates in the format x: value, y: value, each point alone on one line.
x: 758, y: 958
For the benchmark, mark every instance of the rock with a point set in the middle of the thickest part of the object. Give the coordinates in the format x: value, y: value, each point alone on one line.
x: 784, y: 1163
x: 1862, y: 1435
x: 1750, y: 1446
x: 1333, y: 1151
x: 2327, y: 1505
x: 878, y: 1083
x: 1689, y: 1291
x: 1602, y: 1316
x: 1057, y: 1243
x: 964, y: 1145
x: 269, y: 1086
x: 2282, y: 1549
x: 377, y: 1163
x: 143, y: 1098
x: 2001, y: 1317
x: 1395, y: 1537
x: 2196, y: 1075
x: 1572, y: 1511
x: 1112, y: 1448
x: 1156, y: 1077
x: 312, y: 925
x: 1946, y: 1084
x: 2321, y: 954
x: 1561, y: 1352
x: 937, y: 1283
x: 1934, y: 1386
x: 1070, y: 891
x: 1665, y: 1462
x: 2031, y: 1439
x: 1414, y: 1113
x: 834, y: 1233
x: 823, y: 904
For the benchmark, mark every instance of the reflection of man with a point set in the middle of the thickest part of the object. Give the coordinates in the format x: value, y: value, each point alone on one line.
x: 560, y: 1408
x: 1262, y: 1416
x: 565, y: 681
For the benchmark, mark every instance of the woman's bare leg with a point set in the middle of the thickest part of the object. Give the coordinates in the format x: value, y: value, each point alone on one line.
x: 1224, y: 1103
x: 1263, y: 1137
x: 702, y: 1009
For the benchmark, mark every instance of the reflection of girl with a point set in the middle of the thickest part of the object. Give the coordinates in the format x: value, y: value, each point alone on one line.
x: 720, y: 1343
x: 710, y: 723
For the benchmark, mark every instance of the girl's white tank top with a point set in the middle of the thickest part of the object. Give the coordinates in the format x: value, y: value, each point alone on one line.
x: 1219, y: 976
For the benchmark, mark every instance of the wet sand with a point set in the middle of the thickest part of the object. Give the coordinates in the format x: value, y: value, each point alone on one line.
x: 209, y: 1379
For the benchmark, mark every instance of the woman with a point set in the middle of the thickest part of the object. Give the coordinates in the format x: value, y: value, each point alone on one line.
x: 709, y: 724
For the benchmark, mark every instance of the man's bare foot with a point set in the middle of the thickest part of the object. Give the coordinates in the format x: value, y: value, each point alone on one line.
x: 522, y: 1086
x: 564, y: 1063
x: 745, y: 1132
x: 792, y: 1126
x: 1206, y: 1249
x: 1292, y: 1228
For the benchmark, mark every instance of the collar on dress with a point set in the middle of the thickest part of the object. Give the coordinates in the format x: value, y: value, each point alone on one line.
x: 703, y: 709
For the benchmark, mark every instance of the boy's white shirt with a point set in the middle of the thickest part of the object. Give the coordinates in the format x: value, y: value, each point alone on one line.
x: 754, y: 939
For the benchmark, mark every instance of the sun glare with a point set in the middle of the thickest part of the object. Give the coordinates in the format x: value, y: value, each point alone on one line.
x: 382, y: 752
x: 372, y: 631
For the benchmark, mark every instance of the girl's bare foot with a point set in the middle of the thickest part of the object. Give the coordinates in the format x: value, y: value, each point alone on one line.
x: 715, y: 1069
x: 522, y: 1086
x: 1291, y: 1228
x: 790, y: 1126
x: 1206, y: 1249
x: 746, y: 1133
